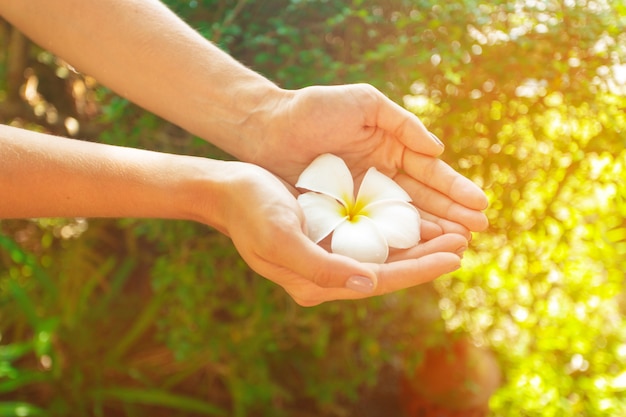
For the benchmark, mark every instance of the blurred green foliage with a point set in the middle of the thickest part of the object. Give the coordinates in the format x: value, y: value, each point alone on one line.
x: 133, y: 317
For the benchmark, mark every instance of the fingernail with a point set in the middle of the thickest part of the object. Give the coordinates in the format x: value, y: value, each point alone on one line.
x: 460, y: 251
x: 432, y: 135
x: 360, y: 284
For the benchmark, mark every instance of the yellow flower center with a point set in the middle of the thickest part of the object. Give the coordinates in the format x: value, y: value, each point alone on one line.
x: 353, y: 210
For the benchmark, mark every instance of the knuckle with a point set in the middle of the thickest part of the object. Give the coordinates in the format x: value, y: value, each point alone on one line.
x: 323, y: 278
x: 369, y: 92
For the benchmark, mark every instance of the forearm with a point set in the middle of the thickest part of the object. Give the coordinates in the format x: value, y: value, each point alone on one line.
x: 48, y: 176
x: 141, y: 50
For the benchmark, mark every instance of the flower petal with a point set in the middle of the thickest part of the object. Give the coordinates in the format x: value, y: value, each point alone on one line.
x: 398, y: 221
x: 329, y: 175
x: 322, y: 214
x: 376, y: 186
x: 361, y: 240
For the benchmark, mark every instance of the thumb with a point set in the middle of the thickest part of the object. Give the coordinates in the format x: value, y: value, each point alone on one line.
x: 407, y: 127
x: 327, y: 270
x: 330, y: 270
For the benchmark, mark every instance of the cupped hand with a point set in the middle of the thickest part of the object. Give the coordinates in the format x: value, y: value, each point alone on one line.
x: 365, y: 128
x: 262, y: 217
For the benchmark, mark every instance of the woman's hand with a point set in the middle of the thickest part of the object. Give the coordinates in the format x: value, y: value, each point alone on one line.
x: 262, y: 217
x: 365, y: 128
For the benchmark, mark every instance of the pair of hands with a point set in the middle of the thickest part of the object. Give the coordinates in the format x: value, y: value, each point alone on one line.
x: 200, y: 88
x: 362, y: 126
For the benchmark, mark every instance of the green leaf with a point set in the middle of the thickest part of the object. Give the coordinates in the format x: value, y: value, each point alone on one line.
x: 23, y: 378
x: 9, y: 353
x: 22, y: 257
x: 156, y: 397
x: 19, y: 409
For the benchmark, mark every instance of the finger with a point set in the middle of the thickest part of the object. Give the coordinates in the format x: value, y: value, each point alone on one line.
x: 294, y: 255
x: 446, y: 226
x: 392, y: 277
x: 429, y: 229
x: 451, y: 242
x: 443, y: 178
x: 432, y: 201
x: 408, y: 273
x: 406, y: 127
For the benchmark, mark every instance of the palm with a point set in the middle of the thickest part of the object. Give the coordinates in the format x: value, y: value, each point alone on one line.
x: 330, y: 120
x: 358, y: 124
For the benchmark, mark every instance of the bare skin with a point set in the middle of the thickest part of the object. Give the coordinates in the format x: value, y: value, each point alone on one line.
x: 48, y: 176
x: 145, y: 53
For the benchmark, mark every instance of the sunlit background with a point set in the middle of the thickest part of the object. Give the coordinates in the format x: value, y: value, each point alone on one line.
x: 147, y: 318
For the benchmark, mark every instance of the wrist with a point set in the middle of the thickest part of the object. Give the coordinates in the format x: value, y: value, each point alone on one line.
x: 255, y: 127
x: 235, y: 118
x: 207, y: 191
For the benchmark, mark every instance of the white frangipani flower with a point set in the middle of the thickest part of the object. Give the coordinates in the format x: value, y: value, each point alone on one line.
x: 365, y: 227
